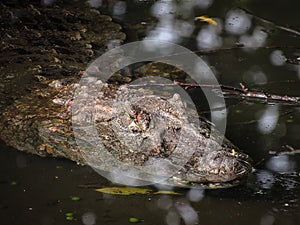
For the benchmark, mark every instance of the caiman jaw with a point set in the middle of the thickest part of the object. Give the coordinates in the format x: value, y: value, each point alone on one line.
x: 240, y: 165
x: 246, y: 165
x: 235, y: 167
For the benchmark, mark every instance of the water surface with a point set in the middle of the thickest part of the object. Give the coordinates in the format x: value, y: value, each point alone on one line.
x: 38, y: 190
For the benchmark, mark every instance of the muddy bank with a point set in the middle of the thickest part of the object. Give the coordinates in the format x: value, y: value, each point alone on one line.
x: 55, y: 41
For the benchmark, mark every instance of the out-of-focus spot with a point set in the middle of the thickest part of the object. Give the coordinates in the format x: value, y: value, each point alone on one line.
x: 277, y: 58
x: 88, y: 218
x: 267, y: 220
x: 188, y: 214
x: 162, y: 9
x: 281, y: 164
x: 268, y: 120
x: 265, y: 179
x: 119, y: 8
x: 95, y: 3
x: 203, y: 4
x: 165, y: 202
x: 237, y: 22
x: 195, y: 195
x: 255, y: 75
x: 209, y: 37
x: 47, y: 2
x: 256, y: 40
x: 172, y: 218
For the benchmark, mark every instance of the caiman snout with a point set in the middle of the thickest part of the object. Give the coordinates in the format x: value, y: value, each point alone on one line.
x: 227, y: 167
x: 216, y: 167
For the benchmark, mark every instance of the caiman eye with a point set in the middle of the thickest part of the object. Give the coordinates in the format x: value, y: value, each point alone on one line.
x: 141, y: 119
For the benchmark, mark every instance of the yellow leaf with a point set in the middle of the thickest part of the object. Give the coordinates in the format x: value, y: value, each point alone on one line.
x: 166, y: 193
x: 124, y: 191
x: 207, y: 19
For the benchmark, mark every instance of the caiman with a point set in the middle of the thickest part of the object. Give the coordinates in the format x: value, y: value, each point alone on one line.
x: 135, y: 127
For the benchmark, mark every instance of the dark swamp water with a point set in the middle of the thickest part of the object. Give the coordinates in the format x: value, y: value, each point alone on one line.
x: 38, y: 190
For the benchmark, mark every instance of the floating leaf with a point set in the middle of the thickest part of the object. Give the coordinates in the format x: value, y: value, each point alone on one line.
x: 133, y: 220
x: 13, y: 183
x: 133, y: 191
x: 124, y: 191
x: 75, y: 198
x: 207, y: 19
x: 69, y: 216
x: 166, y: 193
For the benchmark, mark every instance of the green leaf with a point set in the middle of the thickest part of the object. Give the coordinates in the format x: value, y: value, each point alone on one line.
x: 69, y: 214
x: 124, y: 191
x: 69, y: 218
x: 133, y: 220
x: 75, y: 198
x: 13, y: 183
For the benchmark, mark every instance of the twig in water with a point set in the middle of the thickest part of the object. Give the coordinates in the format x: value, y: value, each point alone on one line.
x: 242, y: 92
x: 272, y: 23
x: 290, y: 151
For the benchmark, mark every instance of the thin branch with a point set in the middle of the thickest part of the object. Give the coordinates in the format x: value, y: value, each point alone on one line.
x: 242, y: 91
x: 290, y: 151
x: 272, y: 23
